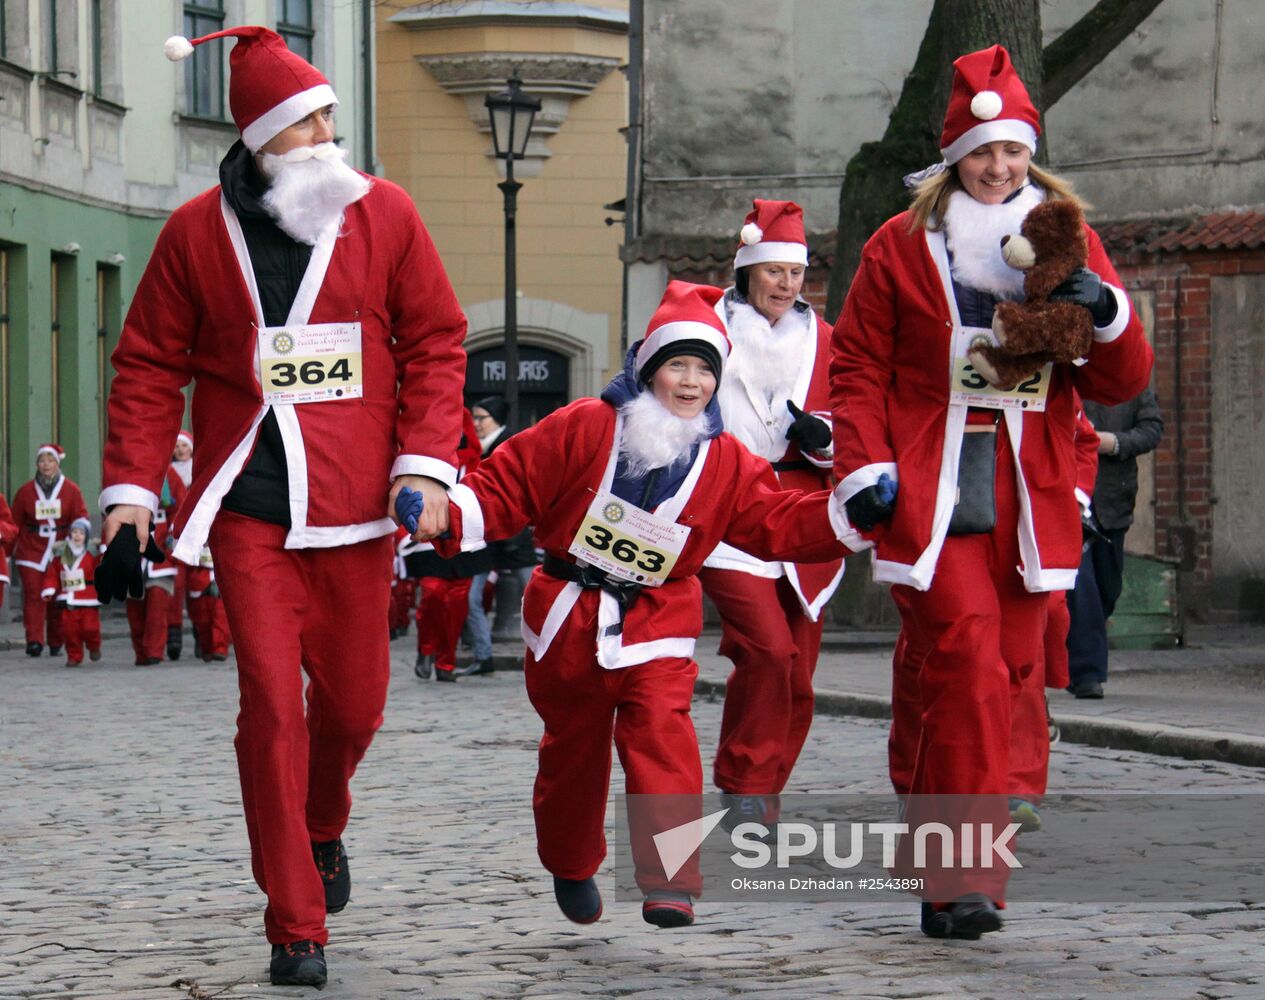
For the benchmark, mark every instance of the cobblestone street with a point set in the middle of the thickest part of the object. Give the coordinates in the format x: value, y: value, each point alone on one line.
x: 125, y: 867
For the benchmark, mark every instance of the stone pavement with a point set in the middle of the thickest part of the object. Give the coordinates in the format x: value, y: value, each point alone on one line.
x: 124, y: 867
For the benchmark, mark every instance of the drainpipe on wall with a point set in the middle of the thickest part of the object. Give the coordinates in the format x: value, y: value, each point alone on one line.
x: 632, y: 200
x: 366, y: 61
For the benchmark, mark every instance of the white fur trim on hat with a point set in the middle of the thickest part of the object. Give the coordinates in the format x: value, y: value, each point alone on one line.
x: 986, y: 105
x: 670, y: 333
x: 759, y: 253
x: 292, y: 109
x: 751, y: 233
x: 177, y: 47
x: 999, y: 129
x: 48, y: 449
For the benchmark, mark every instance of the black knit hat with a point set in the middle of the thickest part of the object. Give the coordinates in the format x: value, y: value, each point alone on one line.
x: 693, y: 348
x: 496, y: 408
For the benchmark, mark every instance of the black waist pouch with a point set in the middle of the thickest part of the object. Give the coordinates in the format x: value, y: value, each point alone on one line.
x: 975, y: 512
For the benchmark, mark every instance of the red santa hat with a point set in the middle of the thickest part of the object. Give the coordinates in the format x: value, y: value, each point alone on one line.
x: 774, y: 230
x: 685, y: 323
x: 988, y: 103
x: 55, y: 450
x: 186, y: 437
x: 270, y: 88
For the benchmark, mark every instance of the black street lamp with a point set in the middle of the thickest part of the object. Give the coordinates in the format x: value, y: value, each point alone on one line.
x: 511, y: 113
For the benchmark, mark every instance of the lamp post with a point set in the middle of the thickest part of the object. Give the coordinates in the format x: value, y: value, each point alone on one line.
x: 511, y: 113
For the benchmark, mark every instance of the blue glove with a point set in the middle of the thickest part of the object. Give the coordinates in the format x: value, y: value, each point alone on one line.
x: 886, y: 488
x: 874, y: 504
x: 408, y: 508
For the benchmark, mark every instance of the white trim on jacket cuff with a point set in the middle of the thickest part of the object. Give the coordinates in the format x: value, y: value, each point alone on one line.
x: 127, y: 493
x: 424, y: 465
x: 1082, y: 498
x: 842, y: 527
x: 1106, y: 334
x: 854, y: 482
x: 471, y: 517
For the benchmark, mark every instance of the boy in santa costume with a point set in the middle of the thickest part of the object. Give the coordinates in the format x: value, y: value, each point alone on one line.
x: 775, y: 399
x: 182, y: 466
x: 70, y: 581
x: 43, y: 509
x: 148, y: 617
x: 629, y: 493
x: 308, y: 305
x: 919, y: 435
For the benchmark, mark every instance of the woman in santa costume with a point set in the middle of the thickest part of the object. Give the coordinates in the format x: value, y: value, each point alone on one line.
x: 775, y: 399
x: 148, y: 617
x: 70, y: 581
x: 629, y: 493
x: 8, y: 538
x: 308, y: 305
x: 43, y: 509
x: 972, y: 579
x: 182, y: 466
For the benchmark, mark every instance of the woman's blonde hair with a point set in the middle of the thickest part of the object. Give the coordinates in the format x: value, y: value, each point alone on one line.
x: 931, y: 196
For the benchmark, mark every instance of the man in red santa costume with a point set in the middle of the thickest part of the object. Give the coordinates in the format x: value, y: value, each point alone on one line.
x: 775, y: 399
x: 43, y: 510
x: 182, y: 466
x: 309, y: 307
x: 8, y: 538
x: 629, y: 493
x: 916, y: 433
x: 147, y: 618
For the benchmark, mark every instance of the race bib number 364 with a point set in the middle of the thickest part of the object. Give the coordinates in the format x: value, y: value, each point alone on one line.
x: 628, y: 542
x: 316, y: 363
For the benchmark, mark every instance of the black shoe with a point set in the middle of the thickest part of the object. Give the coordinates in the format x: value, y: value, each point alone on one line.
x: 34, y: 648
x: 965, y: 919
x: 1086, y: 689
x: 197, y: 649
x: 748, y: 809
x: 54, y: 650
x: 446, y: 674
x: 393, y: 634
x: 299, y: 963
x: 578, y: 899
x: 475, y: 668
x: 219, y: 657
x: 665, y: 908
x: 331, y: 862
x: 424, y: 666
x: 175, y: 642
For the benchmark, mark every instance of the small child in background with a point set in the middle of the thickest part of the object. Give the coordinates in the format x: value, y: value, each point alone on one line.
x: 69, y: 580
x: 206, y: 610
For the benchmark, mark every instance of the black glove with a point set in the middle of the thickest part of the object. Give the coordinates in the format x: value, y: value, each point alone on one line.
x: 809, y: 432
x: 867, y: 508
x: 1085, y: 288
x: 119, y: 574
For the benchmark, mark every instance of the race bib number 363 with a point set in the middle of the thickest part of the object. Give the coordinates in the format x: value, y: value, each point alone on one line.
x: 316, y: 363
x: 628, y: 542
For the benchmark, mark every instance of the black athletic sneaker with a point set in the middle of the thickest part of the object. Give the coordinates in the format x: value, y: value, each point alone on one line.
x: 34, y: 648
x: 299, y: 963
x: 965, y: 918
x: 578, y: 899
x: 331, y: 862
x: 175, y: 641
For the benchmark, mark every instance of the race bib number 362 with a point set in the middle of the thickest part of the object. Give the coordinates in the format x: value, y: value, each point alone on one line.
x: 315, y: 363
x: 968, y: 386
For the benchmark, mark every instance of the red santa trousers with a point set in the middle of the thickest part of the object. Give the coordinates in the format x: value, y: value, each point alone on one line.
x: 403, y: 597
x: 37, y: 612
x: 441, y: 614
x: 768, y: 710
x: 176, y: 609
x: 291, y: 611
x: 980, y: 635
x: 81, y: 627
x: 210, y: 624
x: 147, y: 621
x: 646, y: 710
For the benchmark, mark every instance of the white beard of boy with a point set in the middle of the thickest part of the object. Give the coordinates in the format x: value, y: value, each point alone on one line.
x: 654, y: 437
x: 309, y: 187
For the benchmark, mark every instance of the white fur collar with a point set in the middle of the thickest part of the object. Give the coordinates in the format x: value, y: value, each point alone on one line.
x: 973, y: 233
x: 764, y: 357
x: 654, y: 437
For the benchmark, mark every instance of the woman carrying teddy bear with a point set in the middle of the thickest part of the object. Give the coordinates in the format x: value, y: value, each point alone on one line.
x: 967, y: 490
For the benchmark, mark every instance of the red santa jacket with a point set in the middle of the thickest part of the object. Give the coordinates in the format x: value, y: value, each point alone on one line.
x: 890, y: 393
x: 1086, y: 458
x: 195, y: 316
x: 170, y: 498
x: 38, y: 535
x: 70, y: 578
x: 8, y: 537
x: 548, y: 476
x: 747, y: 416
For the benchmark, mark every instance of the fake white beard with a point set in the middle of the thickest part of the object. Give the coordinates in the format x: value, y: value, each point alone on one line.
x: 308, y: 189
x: 654, y: 437
x: 973, y: 232
x: 765, y: 357
x: 76, y: 549
x: 184, y: 469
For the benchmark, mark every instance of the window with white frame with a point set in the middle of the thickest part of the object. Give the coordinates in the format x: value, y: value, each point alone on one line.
x: 204, y: 70
x: 294, y: 24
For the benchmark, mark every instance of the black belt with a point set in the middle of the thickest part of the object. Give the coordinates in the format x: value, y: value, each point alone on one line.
x: 625, y: 592
x: 793, y: 465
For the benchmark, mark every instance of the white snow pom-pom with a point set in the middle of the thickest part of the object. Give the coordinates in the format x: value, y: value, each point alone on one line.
x: 986, y: 105
x: 177, y: 47
x: 751, y: 234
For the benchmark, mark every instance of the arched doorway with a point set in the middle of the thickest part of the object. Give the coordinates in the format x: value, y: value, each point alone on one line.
x: 544, y: 379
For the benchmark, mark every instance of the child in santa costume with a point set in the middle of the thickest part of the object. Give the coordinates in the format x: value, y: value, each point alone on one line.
x: 8, y: 538
x: 206, y: 610
x: 148, y: 616
x: 908, y: 419
x: 775, y: 399
x: 70, y: 582
x: 629, y: 493
x: 403, y: 589
x: 182, y: 466
x: 43, y: 509
x: 308, y: 305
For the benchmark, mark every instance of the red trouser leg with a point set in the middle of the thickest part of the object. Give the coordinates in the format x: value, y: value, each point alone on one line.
x: 73, y: 632
x: 175, y: 608
x: 1057, y: 672
x: 441, y: 614
x: 35, y: 610
x: 290, y: 611
x: 902, y: 739
x: 429, y: 615
x: 90, y: 628
x: 769, y: 695
x: 220, y: 636
x: 1029, y: 724
x: 136, y: 626
x: 154, y: 637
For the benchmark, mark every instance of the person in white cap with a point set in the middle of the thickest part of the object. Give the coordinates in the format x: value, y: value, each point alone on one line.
x: 182, y: 469
x: 775, y: 399
x: 310, y: 308
x: 968, y: 491
x: 70, y: 582
x: 628, y: 494
x: 43, y: 510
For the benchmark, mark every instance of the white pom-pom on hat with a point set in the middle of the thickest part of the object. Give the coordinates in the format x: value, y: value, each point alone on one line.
x: 986, y: 105
x: 751, y: 234
x: 177, y: 47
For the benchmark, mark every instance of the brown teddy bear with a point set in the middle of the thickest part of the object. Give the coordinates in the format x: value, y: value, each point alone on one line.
x: 1051, y: 246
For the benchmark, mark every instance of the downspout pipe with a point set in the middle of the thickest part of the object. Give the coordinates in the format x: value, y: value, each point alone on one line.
x: 366, y: 62
x: 632, y: 194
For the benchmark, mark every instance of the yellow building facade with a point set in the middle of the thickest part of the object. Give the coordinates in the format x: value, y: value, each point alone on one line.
x: 436, y: 62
